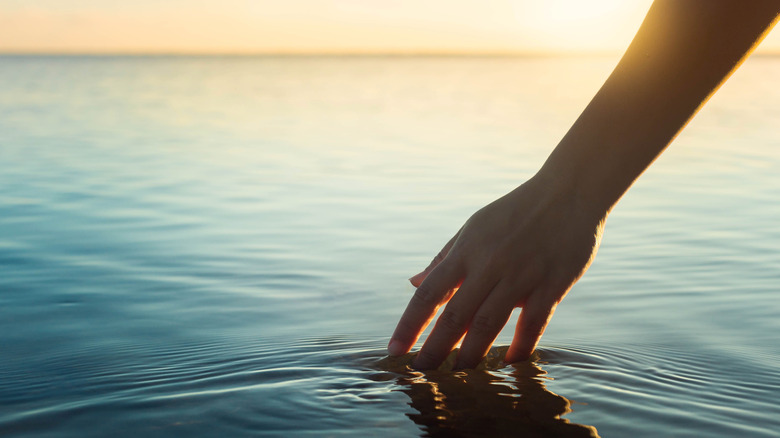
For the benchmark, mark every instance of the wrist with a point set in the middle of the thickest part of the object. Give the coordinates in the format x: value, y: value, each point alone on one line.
x: 579, y: 186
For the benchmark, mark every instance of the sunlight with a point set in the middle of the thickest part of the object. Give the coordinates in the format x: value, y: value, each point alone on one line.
x: 569, y: 11
x: 576, y: 25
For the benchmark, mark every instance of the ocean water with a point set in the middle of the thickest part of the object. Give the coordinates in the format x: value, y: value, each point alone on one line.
x: 219, y: 246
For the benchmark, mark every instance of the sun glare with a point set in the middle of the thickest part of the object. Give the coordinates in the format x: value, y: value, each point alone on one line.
x: 567, y: 11
x: 579, y: 25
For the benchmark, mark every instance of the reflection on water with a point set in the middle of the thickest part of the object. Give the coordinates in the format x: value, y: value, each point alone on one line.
x: 492, y: 400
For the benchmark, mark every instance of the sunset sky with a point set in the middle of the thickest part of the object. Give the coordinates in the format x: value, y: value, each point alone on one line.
x: 322, y: 26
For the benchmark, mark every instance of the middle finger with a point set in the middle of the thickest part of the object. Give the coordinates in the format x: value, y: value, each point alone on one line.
x: 453, y: 322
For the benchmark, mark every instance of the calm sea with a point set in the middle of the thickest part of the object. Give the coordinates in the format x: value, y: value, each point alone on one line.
x: 219, y: 246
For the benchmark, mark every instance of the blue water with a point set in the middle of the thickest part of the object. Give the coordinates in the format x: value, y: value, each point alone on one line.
x: 219, y: 246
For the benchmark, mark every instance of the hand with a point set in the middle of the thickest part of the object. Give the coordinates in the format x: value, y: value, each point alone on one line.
x: 525, y: 250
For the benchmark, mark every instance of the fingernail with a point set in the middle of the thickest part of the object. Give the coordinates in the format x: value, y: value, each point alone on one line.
x: 395, y: 348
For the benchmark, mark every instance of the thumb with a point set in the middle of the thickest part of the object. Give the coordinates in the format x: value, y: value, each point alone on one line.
x: 417, y: 279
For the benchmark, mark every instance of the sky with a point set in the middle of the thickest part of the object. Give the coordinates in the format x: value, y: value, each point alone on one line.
x: 323, y: 26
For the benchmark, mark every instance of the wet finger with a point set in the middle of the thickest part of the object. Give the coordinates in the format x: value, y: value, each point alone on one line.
x: 453, y: 322
x: 536, y: 314
x: 485, y: 326
x: 437, y: 289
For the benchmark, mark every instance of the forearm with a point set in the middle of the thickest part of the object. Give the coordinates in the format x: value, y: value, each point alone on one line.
x: 683, y: 52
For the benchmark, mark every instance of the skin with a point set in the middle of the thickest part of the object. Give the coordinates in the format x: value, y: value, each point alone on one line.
x: 528, y: 248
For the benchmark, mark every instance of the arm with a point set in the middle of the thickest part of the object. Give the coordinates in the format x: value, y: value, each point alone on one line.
x: 529, y: 247
x: 682, y: 53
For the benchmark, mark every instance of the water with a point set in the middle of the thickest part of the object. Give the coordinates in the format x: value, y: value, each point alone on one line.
x: 203, y: 246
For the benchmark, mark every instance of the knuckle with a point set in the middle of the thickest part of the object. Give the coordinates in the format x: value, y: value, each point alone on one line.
x: 451, y: 320
x: 425, y: 295
x: 486, y: 324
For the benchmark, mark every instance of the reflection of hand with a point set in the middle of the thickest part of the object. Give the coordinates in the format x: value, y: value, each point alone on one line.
x: 526, y: 250
x: 494, y: 401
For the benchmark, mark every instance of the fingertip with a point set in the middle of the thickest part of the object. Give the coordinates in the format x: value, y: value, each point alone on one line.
x: 417, y: 280
x: 396, y: 348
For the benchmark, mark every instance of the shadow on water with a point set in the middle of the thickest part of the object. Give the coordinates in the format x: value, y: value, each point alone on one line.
x: 492, y: 400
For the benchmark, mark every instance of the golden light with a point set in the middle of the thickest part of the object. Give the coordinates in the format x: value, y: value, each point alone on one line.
x: 571, y: 25
x: 323, y: 26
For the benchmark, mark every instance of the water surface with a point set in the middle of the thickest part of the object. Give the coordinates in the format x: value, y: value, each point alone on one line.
x: 194, y: 246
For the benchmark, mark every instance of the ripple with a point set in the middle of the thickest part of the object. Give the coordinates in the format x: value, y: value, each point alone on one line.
x: 701, y: 392
x: 688, y: 392
x: 338, y: 381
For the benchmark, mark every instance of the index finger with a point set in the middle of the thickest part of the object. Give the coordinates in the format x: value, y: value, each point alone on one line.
x: 434, y: 291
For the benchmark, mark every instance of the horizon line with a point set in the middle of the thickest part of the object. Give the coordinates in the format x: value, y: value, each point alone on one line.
x: 337, y: 53
x: 432, y: 52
